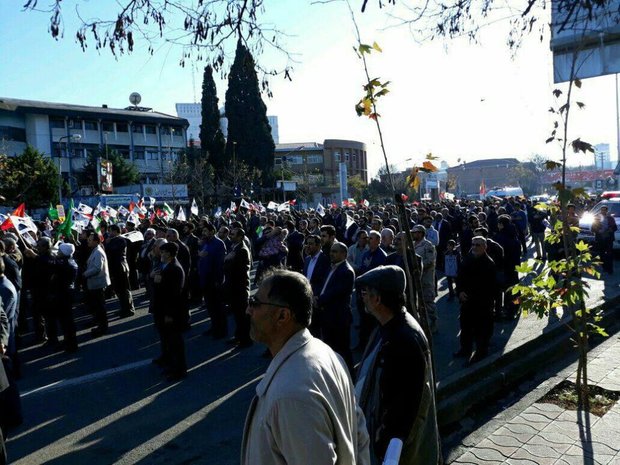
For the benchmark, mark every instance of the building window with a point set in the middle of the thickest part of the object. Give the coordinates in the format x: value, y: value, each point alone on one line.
x: 57, y: 123
x: 346, y: 157
x: 278, y: 161
x: 138, y: 153
x: 294, y: 159
x: 91, y: 126
x: 12, y: 133
x: 121, y: 127
x: 106, y: 126
x: 354, y: 157
x: 150, y: 129
x: 124, y: 153
x: 337, y: 157
x: 137, y: 128
x: 314, y: 159
x: 152, y: 155
x: 165, y: 130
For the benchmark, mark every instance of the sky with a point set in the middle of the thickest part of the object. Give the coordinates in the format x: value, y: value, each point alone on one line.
x: 459, y: 100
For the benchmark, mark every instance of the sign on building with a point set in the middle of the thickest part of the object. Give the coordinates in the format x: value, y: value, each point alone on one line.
x: 105, y: 175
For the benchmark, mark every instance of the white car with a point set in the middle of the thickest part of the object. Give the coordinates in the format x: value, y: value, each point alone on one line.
x: 586, y: 220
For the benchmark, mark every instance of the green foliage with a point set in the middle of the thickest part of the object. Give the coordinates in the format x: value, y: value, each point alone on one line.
x: 212, y: 141
x: 125, y: 173
x: 249, y: 132
x: 30, y: 177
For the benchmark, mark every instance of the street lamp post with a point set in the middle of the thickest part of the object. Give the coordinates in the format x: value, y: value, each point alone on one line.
x: 70, y: 137
x: 283, y: 160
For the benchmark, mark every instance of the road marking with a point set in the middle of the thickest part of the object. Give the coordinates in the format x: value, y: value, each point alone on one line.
x: 86, y: 378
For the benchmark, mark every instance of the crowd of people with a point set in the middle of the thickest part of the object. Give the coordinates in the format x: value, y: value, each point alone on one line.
x: 313, y: 271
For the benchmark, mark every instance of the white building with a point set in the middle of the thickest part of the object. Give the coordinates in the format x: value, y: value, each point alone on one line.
x: 192, y: 112
x: 149, y: 139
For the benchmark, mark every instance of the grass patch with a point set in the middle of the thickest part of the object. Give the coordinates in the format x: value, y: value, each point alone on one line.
x: 565, y: 396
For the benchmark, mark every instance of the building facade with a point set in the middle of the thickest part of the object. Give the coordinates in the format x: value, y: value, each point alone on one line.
x: 466, y: 178
x: 66, y: 132
x: 192, y: 112
x: 315, y: 167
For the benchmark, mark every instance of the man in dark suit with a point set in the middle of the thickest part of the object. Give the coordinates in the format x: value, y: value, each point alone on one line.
x: 169, y: 317
x: 185, y: 260
x: 334, y: 304
x: 295, y: 244
x: 237, y: 286
x: 316, y: 267
x: 116, y: 251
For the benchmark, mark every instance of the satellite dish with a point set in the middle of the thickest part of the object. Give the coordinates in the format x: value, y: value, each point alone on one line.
x: 135, y: 98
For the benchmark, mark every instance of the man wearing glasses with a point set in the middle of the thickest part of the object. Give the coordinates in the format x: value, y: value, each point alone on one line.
x: 476, y: 286
x: 304, y: 411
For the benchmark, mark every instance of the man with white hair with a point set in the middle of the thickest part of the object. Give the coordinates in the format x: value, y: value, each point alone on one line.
x: 387, y: 240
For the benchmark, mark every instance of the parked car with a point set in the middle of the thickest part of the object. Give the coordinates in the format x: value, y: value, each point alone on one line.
x: 610, y: 194
x: 586, y: 220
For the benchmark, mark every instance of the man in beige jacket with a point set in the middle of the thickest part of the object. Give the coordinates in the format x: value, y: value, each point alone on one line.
x: 304, y: 411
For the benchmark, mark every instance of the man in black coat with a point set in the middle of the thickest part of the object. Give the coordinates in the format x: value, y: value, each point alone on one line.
x: 295, y: 245
x: 116, y: 251
x: 475, y: 287
x: 334, y: 304
x: 185, y: 260
x: 316, y: 268
x: 169, y: 317
x: 236, y: 286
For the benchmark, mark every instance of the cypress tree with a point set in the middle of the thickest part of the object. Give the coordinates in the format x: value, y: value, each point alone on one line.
x: 247, y: 116
x: 211, y: 138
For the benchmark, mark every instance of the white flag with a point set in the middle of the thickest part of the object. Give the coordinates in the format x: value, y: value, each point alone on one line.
x: 110, y: 211
x: 133, y: 236
x: 233, y: 206
x: 272, y: 206
x: 194, y: 208
x: 23, y: 224
x: 244, y: 204
x: 218, y: 213
x: 152, y: 202
x: 123, y: 211
x: 84, y: 209
x: 320, y: 209
x: 181, y: 214
x: 284, y: 207
x: 98, y: 209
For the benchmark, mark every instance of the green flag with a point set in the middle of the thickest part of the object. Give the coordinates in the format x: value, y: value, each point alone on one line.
x: 65, y: 228
x: 169, y: 211
x: 52, y: 213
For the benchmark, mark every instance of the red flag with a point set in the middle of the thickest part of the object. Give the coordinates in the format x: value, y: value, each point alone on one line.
x: 334, y: 205
x: 292, y: 202
x: 483, y: 188
x: 405, y: 197
x: 19, y: 211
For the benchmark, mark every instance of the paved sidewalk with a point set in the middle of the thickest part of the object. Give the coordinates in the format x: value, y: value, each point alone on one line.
x: 533, y: 433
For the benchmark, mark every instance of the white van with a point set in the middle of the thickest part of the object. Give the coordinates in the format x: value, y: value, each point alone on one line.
x: 508, y: 191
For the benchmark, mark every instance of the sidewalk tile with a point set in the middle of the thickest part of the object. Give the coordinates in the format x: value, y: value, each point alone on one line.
x: 499, y: 444
x: 550, y: 410
x: 516, y: 461
x: 559, y: 442
x: 470, y: 458
x: 542, y: 455
x: 580, y: 460
x: 594, y: 449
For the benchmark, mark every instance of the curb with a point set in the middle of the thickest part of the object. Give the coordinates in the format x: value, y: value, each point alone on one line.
x: 459, y: 393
